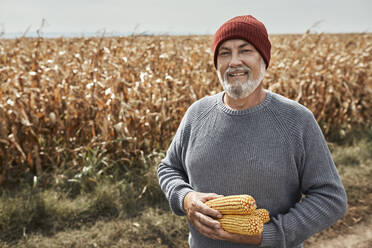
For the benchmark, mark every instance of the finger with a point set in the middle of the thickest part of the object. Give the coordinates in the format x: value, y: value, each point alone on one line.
x: 206, y: 220
x: 210, y: 196
x: 222, y: 234
x: 204, y: 209
x: 206, y: 230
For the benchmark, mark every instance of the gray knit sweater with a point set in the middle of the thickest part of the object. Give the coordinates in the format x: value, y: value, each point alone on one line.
x: 274, y: 151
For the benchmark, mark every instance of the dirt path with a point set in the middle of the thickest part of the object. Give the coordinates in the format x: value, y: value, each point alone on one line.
x: 359, y: 237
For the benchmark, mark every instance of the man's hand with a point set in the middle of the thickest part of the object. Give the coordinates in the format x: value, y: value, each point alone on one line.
x: 203, y: 218
x: 200, y: 215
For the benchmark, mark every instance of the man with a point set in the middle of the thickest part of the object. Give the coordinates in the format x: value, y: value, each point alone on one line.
x: 247, y: 140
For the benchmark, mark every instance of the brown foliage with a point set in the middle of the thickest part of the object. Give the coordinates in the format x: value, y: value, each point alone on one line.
x: 126, y: 96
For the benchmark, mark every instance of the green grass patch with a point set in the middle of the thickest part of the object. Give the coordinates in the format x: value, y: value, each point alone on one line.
x: 152, y: 228
x: 123, y: 206
x: 50, y: 204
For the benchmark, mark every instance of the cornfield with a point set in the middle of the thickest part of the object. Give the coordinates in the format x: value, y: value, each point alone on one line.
x: 126, y: 95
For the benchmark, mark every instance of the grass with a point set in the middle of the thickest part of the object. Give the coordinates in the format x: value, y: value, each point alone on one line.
x: 75, y: 200
x: 152, y: 228
x: 114, y: 210
x: 353, y: 157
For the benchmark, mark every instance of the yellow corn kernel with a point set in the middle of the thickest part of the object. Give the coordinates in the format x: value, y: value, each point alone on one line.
x: 234, y: 204
x: 263, y: 214
x: 241, y: 224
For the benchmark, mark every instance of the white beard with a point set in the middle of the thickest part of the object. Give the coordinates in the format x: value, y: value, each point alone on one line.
x: 241, y: 90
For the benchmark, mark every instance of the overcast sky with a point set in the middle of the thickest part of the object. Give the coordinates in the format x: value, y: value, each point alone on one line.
x: 85, y: 17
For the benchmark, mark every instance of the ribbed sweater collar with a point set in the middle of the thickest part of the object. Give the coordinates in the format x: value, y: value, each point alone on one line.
x: 223, y: 107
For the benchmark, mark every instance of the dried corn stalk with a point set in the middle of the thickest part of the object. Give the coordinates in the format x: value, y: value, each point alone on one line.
x: 128, y: 95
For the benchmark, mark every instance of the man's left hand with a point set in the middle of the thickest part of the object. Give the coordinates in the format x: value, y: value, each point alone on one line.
x: 238, y: 238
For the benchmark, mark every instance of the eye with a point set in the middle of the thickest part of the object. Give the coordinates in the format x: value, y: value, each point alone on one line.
x: 246, y: 50
x: 223, y: 53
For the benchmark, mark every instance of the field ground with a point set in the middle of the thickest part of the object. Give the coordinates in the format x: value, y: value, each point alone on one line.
x: 85, y: 121
x: 157, y: 227
x: 355, y: 229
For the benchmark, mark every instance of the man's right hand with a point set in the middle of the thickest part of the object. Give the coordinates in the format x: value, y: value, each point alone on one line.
x: 202, y: 217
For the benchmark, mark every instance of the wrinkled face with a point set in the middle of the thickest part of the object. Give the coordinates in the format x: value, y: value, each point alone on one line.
x: 240, y: 68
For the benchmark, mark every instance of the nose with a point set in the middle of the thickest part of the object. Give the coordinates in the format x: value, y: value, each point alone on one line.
x: 235, y: 60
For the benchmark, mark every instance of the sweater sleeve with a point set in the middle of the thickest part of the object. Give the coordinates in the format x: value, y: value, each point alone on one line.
x: 172, y: 176
x: 324, y: 198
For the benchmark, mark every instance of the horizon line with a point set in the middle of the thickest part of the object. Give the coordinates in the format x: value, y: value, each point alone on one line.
x: 35, y: 34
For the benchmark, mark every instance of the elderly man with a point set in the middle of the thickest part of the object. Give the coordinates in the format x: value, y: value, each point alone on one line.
x: 247, y: 140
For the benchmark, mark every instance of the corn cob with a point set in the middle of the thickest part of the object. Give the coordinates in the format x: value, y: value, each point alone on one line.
x: 241, y: 224
x: 234, y: 204
x: 263, y: 214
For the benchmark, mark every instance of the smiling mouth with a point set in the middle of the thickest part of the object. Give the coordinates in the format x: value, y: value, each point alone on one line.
x: 237, y: 74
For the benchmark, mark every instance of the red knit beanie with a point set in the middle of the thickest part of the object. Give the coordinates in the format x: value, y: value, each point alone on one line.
x: 247, y: 28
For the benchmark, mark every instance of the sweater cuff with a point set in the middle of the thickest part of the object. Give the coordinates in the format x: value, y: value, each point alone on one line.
x: 270, y: 236
x: 178, y: 201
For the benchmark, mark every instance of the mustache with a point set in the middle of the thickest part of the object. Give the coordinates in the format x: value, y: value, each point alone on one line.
x: 240, y: 68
